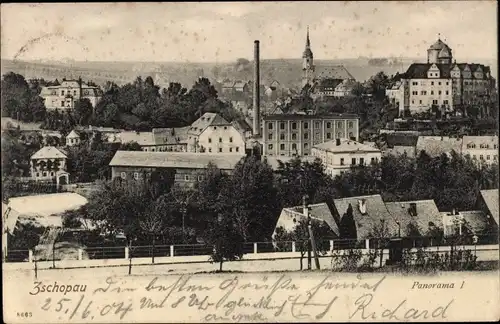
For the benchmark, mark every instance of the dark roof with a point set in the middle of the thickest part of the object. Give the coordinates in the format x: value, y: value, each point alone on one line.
x: 365, y: 223
x: 427, y: 212
x: 490, y: 198
x: 319, y: 211
x: 334, y: 72
x: 328, y: 83
x: 478, y: 222
x: 419, y: 70
x: 309, y: 117
x: 401, y: 140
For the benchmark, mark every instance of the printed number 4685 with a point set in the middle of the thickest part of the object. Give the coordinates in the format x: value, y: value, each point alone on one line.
x: 24, y: 314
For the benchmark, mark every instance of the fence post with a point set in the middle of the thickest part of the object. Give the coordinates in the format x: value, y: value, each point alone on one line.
x: 367, y: 244
x: 255, y: 248
x: 331, y: 245
x: 126, y: 252
x: 30, y: 255
x: 171, y: 250
x: 80, y: 254
x: 293, y: 247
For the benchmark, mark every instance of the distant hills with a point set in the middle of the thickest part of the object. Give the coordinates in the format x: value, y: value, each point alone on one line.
x: 286, y: 71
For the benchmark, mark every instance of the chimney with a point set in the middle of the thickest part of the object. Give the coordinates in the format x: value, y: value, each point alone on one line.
x: 362, y: 206
x: 338, y: 142
x: 256, y: 90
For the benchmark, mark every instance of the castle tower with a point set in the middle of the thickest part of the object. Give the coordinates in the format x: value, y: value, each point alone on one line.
x: 439, y: 53
x: 307, y: 63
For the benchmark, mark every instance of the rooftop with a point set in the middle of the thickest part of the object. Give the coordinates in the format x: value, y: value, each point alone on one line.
x: 478, y: 222
x: 166, y: 136
x: 309, y: 117
x: 490, y: 197
x: 174, y: 160
x: 480, y: 140
x: 142, y: 138
x: 426, y: 213
x: 345, y: 145
x: 335, y: 72
x: 419, y: 70
x: 437, y: 145
x: 319, y: 211
x: 208, y: 119
x: 48, y: 152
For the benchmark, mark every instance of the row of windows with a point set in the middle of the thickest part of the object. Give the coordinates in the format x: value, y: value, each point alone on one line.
x: 186, y: 177
x: 424, y: 93
x: 44, y: 174
x: 306, y: 136
x: 220, y: 140
x: 237, y: 149
x: 434, y: 102
x: 432, y: 83
x: 483, y: 146
x: 306, y: 125
x: 488, y: 157
x: 283, y: 146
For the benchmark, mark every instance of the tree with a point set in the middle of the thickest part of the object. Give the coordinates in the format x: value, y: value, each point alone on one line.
x: 347, y: 227
x: 83, y: 111
x: 155, y: 222
x: 381, y: 233
x: 226, y: 240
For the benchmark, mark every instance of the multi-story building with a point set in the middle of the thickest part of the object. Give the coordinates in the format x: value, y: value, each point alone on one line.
x: 64, y: 96
x: 442, y: 83
x: 483, y: 149
x: 49, y: 164
x: 295, y: 135
x: 340, y: 155
x: 213, y: 134
x: 187, y: 168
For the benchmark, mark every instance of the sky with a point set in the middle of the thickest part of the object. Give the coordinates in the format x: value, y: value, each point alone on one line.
x: 223, y: 32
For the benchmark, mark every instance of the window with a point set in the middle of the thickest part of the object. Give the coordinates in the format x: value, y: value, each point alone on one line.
x: 294, y: 125
x: 294, y: 136
x: 317, y: 125
x: 439, y: 83
x: 282, y: 125
x: 37, y: 174
x: 270, y: 136
x: 215, y: 127
x: 270, y: 126
x: 220, y: 139
x: 230, y: 140
x: 62, y: 92
x: 225, y: 127
x: 445, y: 102
x: 209, y: 150
x: 339, y: 135
x: 52, y: 173
x: 414, y: 93
x: 220, y: 149
x: 328, y: 135
x: 200, y: 178
x: 447, y: 83
x: 372, y: 160
x: 353, y: 161
x: 434, y: 102
x: 328, y: 125
x: 423, y: 92
x: 306, y: 135
x: 414, y: 83
x: 440, y: 92
x: 432, y: 92
x: 74, y: 92
x: 210, y: 140
x: 420, y: 101
x: 306, y: 125
x: 62, y: 103
x: 270, y: 147
x: 487, y: 158
x: 447, y: 92
x: 230, y: 149
x: 341, y: 161
x: 339, y: 124
x: 294, y: 146
x: 186, y: 177
x: 237, y: 149
x: 351, y: 134
x: 282, y: 137
x: 350, y: 124
x: 123, y: 175
x: 413, y: 101
x: 495, y: 157
x: 432, y: 82
x: 282, y: 147
x: 481, y: 157
x: 361, y: 161
x: 136, y: 175
x: 306, y: 146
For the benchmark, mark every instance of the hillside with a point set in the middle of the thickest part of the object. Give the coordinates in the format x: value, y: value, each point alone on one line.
x: 285, y: 71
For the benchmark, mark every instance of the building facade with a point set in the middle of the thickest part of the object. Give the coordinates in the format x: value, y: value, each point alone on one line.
x: 64, y: 96
x: 49, y: 164
x: 483, y: 149
x: 187, y: 168
x: 213, y: 134
x: 295, y: 135
x: 340, y: 155
x: 442, y: 83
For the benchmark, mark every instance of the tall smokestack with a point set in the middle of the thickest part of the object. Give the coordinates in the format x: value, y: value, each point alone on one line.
x: 256, y: 89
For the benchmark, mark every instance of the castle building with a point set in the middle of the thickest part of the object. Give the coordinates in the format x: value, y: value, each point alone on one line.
x: 443, y: 84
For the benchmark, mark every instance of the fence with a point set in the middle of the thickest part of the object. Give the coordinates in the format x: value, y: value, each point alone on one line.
x: 147, y: 251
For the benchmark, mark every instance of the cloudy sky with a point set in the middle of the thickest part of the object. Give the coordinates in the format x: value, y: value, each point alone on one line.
x: 217, y: 32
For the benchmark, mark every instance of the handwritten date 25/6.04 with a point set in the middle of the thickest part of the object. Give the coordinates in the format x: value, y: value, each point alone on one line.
x: 86, y: 309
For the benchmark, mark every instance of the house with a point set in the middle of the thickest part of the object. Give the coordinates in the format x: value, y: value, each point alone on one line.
x: 437, y: 145
x: 49, y: 164
x: 415, y: 216
x: 483, y: 149
x: 168, y: 140
x: 64, y: 96
x: 369, y: 212
x: 242, y: 127
x: 187, y: 167
x: 213, y: 134
x: 340, y: 155
x: 488, y: 203
x: 73, y: 138
x: 107, y: 134
x: 472, y: 222
x: 345, y: 88
x: 296, y: 134
x: 291, y: 216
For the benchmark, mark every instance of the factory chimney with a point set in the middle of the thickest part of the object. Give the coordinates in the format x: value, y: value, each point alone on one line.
x: 256, y: 90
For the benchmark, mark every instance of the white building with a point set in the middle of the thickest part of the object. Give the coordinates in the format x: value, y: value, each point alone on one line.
x: 338, y: 156
x: 73, y: 139
x: 213, y: 134
x: 483, y: 149
x: 64, y: 96
x: 48, y: 164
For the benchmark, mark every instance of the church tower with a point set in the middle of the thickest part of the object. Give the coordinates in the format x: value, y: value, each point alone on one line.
x: 307, y: 63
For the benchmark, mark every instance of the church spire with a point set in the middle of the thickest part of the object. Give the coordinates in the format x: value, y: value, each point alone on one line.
x: 308, y: 42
